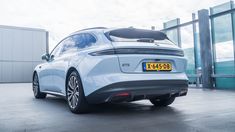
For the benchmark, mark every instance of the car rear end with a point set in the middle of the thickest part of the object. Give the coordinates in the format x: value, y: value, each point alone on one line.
x: 149, y: 66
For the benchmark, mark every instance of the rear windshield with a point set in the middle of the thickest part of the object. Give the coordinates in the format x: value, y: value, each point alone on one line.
x: 135, y: 35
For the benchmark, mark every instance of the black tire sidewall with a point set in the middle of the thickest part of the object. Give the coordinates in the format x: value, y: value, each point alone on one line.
x: 39, y: 94
x: 82, y: 104
x: 163, y: 102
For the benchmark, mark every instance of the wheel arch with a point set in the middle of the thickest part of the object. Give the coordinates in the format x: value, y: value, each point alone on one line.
x: 69, y: 71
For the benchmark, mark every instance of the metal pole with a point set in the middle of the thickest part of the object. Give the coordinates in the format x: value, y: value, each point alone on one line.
x: 205, y: 48
x: 195, y: 50
x: 178, y: 32
x: 47, y: 42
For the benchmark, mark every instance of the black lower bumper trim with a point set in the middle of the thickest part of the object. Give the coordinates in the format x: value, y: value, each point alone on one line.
x: 139, y: 90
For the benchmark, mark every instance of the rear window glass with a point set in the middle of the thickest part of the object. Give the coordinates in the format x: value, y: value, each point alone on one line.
x: 135, y: 35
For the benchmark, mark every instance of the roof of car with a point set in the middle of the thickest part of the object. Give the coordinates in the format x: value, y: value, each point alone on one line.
x: 90, y: 29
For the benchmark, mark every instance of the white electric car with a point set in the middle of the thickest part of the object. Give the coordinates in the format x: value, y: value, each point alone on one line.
x: 100, y: 65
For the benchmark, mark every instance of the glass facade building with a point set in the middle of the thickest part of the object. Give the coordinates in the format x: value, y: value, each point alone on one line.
x: 222, y: 36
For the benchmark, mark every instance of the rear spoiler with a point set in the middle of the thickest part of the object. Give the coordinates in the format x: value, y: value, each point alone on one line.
x: 133, y: 33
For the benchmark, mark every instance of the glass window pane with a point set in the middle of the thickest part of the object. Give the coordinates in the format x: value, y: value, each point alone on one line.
x: 68, y: 46
x: 171, y: 23
x: 224, y: 51
x: 221, y: 8
x: 197, y: 47
x: 188, y: 47
x: 173, y: 35
x: 223, y: 28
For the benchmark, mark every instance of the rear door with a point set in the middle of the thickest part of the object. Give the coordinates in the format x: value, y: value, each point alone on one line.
x: 69, y: 55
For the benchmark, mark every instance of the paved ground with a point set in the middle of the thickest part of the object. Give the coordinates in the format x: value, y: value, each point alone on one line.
x: 201, y: 110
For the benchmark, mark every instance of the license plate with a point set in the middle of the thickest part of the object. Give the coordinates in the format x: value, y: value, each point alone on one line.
x: 157, y: 66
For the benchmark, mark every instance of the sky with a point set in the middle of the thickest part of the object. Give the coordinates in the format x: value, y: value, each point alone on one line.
x: 62, y: 17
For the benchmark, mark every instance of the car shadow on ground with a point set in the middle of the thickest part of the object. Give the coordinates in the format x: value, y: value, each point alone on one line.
x: 138, y: 116
x: 111, y: 108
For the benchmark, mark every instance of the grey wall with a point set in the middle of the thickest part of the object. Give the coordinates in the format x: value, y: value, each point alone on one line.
x: 20, y: 52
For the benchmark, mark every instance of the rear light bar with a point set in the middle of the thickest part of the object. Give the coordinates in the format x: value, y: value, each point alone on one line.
x: 123, y: 94
x: 138, y: 51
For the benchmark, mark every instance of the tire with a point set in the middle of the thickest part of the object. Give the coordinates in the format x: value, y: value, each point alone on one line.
x: 75, y: 95
x: 36, y: 88
x: 162, y: 102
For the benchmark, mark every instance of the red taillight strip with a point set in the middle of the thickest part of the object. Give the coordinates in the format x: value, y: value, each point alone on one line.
x: 123, y: 94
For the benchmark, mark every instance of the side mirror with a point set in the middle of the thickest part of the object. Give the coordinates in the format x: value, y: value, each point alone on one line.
x: 52, y: 57
x: 46, y: 57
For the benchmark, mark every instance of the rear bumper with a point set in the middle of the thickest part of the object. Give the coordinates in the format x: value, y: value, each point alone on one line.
x: 136, y: 90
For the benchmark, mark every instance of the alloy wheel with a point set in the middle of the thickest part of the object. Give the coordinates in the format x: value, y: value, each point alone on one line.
x: 73, y: 91
x: 35, y: 84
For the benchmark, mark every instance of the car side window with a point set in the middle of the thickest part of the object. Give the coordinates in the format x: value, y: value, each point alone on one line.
x: 84, y: 40
x: 89, y: 40
x: 77, y: 42
x: 74, y: 43
x: 68, y: 46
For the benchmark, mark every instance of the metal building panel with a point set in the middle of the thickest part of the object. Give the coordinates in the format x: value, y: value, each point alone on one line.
x: 27, y: 71
x: 6, y: 71
x: 6, y: 44
x: 17, y: 52
x: 1, y: 72
x: 17, y: 71
x: 27, y: 45
x: 39, y: 45
x: 20, y: 52
x: 1, y: 46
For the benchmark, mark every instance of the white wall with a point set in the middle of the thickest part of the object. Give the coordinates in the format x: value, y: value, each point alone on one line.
x: 20, y: 52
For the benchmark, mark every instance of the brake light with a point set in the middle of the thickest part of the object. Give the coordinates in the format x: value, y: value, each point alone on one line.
x: 123, y: 94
